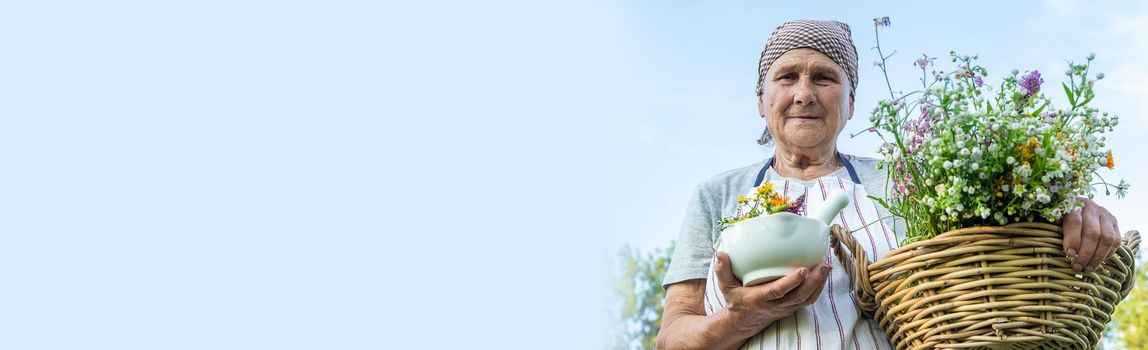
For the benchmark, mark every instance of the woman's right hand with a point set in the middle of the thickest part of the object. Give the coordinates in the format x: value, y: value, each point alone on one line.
x: 757, y: 307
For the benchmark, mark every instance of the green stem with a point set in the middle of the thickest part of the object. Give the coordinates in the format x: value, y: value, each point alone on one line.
x: 874, y: 222
x: 877, y: 34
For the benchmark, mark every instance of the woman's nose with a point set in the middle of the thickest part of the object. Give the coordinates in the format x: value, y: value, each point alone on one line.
x: 803, y: 93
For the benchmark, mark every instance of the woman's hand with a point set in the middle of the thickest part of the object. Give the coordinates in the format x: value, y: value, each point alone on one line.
x: 1091, y: 236
x: 759, y: 306
x: 748, y: 310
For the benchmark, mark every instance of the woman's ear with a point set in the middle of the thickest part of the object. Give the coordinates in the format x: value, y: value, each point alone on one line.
x: 761, y: 105
x: 850, y: 108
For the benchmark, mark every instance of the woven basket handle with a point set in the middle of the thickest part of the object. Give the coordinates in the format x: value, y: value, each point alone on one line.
x: 1131, y: 242
x: 856, y: 263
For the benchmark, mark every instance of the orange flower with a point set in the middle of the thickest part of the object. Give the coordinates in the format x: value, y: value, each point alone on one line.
x: 1110, y: 164
x: 778, y: 200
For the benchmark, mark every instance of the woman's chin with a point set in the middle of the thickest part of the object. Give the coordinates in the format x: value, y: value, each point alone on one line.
x: 805, y: 138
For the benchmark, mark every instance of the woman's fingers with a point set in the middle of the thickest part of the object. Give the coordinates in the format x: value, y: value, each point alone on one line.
x: 781, y: 287
x: 1089, y: 237
x: 1071, y: 227
x: 1116, y: 234
x: 767, y: 292
x: 816, y: 283
x: 724, y: 273
x: 810, y: 288
x: 1106, y: 244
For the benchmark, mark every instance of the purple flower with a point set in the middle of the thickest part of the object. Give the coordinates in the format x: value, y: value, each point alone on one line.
x: 1031, y: 82
x: 798, y: 206
x: 881, y: 21
x: 925, y: 112
x: 979, y: 81
x: 904, y: 184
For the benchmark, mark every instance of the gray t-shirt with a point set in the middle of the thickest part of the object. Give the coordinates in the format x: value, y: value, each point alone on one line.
x: 717, y: 196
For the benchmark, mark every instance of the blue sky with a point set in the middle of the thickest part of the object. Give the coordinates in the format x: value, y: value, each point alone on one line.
x: 355, y: 175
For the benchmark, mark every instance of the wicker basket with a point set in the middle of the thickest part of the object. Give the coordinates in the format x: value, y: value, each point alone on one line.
x: 999, y: 287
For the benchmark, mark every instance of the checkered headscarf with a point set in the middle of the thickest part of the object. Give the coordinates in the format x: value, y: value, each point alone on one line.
x: 832, y: 38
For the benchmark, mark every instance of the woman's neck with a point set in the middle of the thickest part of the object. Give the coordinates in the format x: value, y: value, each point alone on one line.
x: 806, y: 164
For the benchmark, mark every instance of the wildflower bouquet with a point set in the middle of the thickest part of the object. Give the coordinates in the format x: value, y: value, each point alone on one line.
x: 981, y: 173
x: 961, y: 153
x: 764, y: 201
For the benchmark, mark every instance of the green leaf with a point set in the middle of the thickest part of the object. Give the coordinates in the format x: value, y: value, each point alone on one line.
x: 1068, y: 92
x: 1085, y: 103
x: 1041, y: 109
x: 880, y: 201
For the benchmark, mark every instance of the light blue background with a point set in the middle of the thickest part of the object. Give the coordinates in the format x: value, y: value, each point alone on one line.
x: 361, y: 175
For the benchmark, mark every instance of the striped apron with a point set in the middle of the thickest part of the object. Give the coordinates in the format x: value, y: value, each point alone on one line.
x: 834, y: 321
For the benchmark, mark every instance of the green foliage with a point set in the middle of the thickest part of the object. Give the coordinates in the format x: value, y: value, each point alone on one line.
x: 1131, y: 317
x: 638, y: 292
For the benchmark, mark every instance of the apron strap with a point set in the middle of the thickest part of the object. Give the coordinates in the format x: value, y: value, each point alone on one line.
x: 848, y: 167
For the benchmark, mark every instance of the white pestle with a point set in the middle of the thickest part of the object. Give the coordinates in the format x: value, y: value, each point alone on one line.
x: 837, y: 200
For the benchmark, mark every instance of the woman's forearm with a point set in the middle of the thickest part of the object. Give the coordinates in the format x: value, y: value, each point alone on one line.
x: 720, y: 331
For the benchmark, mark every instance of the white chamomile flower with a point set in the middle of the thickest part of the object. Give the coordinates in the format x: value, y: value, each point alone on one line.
x: 1043, y: 198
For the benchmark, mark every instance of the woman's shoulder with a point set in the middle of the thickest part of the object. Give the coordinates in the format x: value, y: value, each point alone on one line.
x: 862, y: 161
x: 733, y: 178
x: 867, y: 170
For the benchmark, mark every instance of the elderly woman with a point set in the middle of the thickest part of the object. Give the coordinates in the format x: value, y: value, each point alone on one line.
x: 807, y: 77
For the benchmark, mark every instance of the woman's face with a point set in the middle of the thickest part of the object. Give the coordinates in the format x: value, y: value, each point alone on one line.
x: 806, y: 98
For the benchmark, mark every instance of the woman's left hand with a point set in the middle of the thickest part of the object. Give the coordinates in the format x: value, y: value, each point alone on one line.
x: 1091, y: 236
